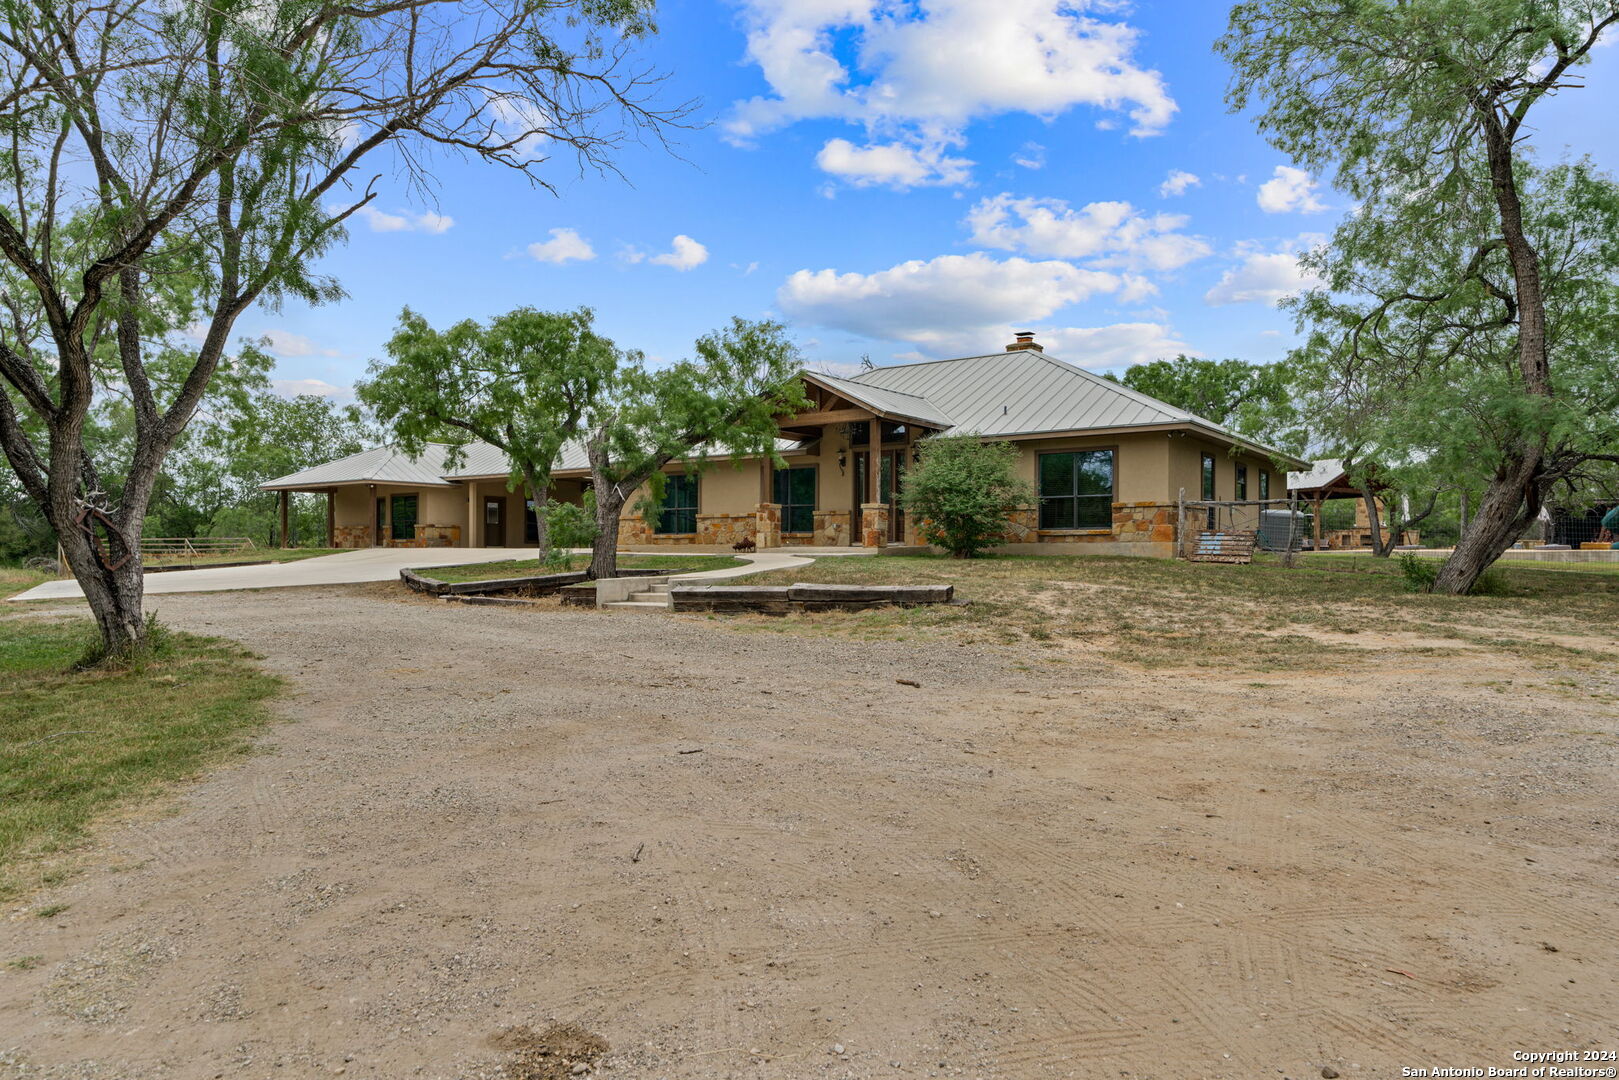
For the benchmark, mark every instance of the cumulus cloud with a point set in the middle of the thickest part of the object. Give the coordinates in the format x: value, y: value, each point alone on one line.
x: 286, y: 343
x: 1113, y: 234
x: 684, y: 254
x: 938, y: 300
x: 315, y: 387
x: 1290, y: 190
x: 1177, y: 183
x: 1261, y: 278
x: 894, y: 165
x: 406, y: 221
x: 928, y: 70
x: 565, y: 245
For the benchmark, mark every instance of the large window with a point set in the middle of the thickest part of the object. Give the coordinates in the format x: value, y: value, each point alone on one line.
x: 678, y: 513
x: 1264, y: 484
x: 403, y: 511
x: 1208, y: 477
x: 795, y: 491
x: 531, y: 523
x: 1242, y: 483
x: 1076, y: 490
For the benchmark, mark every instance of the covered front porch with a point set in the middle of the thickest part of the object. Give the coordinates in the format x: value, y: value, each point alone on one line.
x: 846, y: 456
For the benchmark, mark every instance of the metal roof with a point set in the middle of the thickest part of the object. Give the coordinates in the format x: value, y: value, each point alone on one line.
x: 1323, y: 474
x: 380, y: 465
x: 885, y: 401
x: 1025, y: 392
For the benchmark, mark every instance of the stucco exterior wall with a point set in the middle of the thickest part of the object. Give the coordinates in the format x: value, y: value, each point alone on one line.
x: 1186, y: 465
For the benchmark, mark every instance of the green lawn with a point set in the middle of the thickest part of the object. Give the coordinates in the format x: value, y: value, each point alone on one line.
x: 1169, y: 613
x: 507, y: 568
x: 1359, y: 560
x: 16, y: 579
x: 77, y: 745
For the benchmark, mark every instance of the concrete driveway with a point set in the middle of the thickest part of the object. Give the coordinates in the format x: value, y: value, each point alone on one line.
x: 365, y: 564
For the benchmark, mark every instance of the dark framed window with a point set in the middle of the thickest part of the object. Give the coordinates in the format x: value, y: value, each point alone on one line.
x: 531, y: 523
x: 1264, y: 484
x: 1076, y: 490
x: 795, y: 491
x: 1208, y: 477
x: 402, y: 508
x: 1242, y: 483
x: 678, y: 514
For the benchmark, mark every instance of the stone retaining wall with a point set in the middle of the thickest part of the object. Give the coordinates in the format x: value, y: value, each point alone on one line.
x: 351, y: 536
x: 784, y: 599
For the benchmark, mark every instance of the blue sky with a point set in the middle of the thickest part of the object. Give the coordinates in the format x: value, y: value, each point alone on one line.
x: 902, y: 182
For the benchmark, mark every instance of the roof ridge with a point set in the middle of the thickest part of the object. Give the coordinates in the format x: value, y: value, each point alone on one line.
x: 857, y: 382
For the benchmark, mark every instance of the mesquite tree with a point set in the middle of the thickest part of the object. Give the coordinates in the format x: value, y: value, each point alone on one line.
x: 726, y: 401
x: 1471, y: 290
x: 522, y: 383
x: 167, y: 164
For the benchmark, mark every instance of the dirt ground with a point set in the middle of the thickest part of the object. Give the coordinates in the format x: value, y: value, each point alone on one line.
x: 486, y: 842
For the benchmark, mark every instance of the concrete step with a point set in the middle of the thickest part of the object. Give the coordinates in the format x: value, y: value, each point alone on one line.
x: 639, y: 605
x: 651, y: 597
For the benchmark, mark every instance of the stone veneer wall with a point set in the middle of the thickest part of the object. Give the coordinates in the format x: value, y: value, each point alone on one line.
x: 726, y: 530
x: 352, y: 536
x: 767, y: 530
x: 1133, y: 522
x: 831, y: 528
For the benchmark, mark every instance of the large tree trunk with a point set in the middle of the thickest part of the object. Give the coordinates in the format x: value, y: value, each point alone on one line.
x: 604, y: 549
x: 1375, y: 520
x: 114, y: 596
x: 1510, y: 502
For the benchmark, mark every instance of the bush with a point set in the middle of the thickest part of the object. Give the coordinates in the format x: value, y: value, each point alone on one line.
x: 960, y: 492
x: 1419, y: 572
x: 570, y: 526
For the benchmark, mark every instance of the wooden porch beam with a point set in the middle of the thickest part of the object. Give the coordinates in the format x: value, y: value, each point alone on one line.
x: 826, y: 416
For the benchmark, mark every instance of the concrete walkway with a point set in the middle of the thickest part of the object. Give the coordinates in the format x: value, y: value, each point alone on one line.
x: 373, y: 564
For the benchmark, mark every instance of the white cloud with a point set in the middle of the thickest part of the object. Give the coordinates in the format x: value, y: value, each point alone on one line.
x: 1111, y: 233
x: 1030, y: 156
x: 565, y: 245
x: 940, y: 299
x: 929, y: 69
x: 684, y: 254
x: 892, y: 164
x: 406, y: 221
x: 1177, y: 182
x: 316, y: 387
x: 1289, y: 190
x: 1261, y: 278
x: 286, y: 343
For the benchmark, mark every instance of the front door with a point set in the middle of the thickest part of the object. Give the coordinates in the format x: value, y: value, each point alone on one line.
x: 494, y: 522
x: 890, y: 484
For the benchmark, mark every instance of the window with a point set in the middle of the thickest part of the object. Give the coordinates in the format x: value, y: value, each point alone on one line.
x: 531, y: 523
x: 1208, y: 477
x: 1242, y: 483
x: 678, y: 514
x: 795, y: 491
x: 1264, y: 484
x: 1076, y: 490
x: 403, y: 510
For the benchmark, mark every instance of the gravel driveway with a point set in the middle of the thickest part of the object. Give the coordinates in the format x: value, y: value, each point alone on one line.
x: 732, y: 852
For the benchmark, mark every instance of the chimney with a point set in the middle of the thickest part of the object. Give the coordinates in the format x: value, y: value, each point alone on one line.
x: 1025, y: 340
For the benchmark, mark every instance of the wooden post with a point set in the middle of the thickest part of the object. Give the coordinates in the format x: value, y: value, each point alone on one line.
x: 286, y: 500
x: 874, y: 449
x: 1317, y: 524
x: 474, y: 516
x: 331, y: 518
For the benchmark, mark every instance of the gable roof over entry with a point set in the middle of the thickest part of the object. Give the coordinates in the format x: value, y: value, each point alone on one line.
x: 381, y: 465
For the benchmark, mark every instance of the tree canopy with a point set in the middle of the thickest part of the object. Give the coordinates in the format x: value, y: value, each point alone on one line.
x: 1462, y: 326
x: 1253, y: 400
x: 524, y: 383
x: 167, y: 166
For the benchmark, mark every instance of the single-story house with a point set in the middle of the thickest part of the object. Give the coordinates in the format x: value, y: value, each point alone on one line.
x: 1109, y: 466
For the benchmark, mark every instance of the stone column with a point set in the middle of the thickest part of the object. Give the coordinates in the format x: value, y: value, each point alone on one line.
x: 874, y: 524
x: 474, y: 520
x: 767, y: 532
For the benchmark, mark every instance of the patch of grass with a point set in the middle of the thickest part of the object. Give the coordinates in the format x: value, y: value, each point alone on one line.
x: 25, y: 963
x: 16, y: 579
x: 1159, y: 612
x: 263, y: 554
x: 506, y: 568
x: 50, y: 911
x: 75, y: 745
